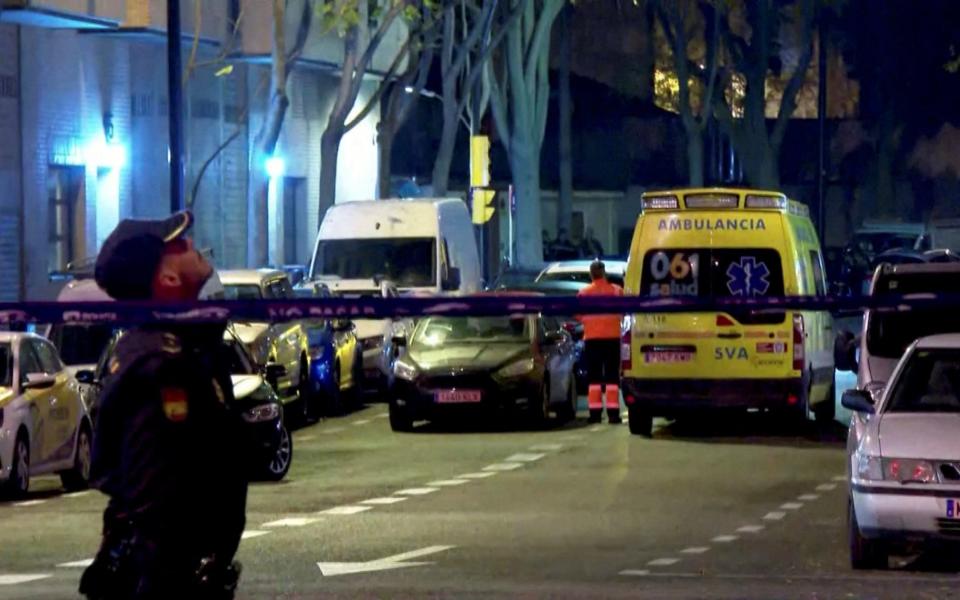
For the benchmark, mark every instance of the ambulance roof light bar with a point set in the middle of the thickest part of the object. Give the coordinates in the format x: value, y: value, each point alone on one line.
x: 778, y: 202
x: 711, y: 200
x: 661, y: 202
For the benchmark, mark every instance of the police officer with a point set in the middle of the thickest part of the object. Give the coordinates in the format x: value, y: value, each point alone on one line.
x: 166, y: 450
x: 601, y: 335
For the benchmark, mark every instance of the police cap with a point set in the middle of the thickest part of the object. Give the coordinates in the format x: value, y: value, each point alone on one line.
x: 131, y: 254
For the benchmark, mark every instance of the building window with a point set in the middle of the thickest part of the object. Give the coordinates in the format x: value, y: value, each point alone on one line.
x: 67, y: 211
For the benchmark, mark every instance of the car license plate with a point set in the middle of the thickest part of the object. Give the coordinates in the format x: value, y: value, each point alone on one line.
x: 953, y: 509
x: 668, y: 357
x: 458, y: 396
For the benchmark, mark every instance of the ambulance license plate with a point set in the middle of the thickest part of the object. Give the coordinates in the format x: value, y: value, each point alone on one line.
x: 458, y: 396
x: 668, y: 357
x: 953, y: 509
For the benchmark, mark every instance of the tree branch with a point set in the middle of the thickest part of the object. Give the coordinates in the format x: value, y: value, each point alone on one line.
x: 541, y: 35
x: 788, y: 104
x: 375, y: 99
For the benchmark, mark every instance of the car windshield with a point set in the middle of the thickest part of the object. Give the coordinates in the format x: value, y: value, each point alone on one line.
x: 6, y: 365
x: 577, y: 277
x: 242, y: 292
x: 408, y: 262
x: 80, y: 344
x: 930, y: 382
x: 889, y: 334
x: 436, y: 332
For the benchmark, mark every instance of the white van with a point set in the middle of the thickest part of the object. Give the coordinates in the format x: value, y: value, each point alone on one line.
x: 421, y: 246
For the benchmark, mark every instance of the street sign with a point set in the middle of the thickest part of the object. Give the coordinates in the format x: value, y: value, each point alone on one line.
x: 397, y: 561
x: 482, y: 205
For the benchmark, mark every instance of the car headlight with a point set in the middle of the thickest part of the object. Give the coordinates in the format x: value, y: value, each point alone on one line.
x: 516, y: 369
x: 264, y: 412
x: 372, y: 343
x: 900, y: 470
x: 404, y: 371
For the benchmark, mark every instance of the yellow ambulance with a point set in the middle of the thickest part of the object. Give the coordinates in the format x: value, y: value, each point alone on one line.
x: 725, y: 243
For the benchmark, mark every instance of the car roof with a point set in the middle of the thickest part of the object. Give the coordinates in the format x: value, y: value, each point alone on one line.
x: 944, y: 341
x: 249, y: 276
x: 920, y: 269
x: 584, y: 265
x: 83, y: 290
x: 15, y: 336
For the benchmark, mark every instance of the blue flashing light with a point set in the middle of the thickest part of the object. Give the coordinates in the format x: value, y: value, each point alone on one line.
x: 276, y: 167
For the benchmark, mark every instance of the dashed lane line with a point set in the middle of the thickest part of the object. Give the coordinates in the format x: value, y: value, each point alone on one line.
x: 382, y: 416
x: 596, y: 428
x: 840, y: 478
x: 290, y: 522
x: 76, y: 564
x: 252, y: 533
x: 695, y: 550
x: 361, y: 422
x: 384, y: 501
x: 77, y: 494
x: 774, y: 516
x: 332, y: 430
x: 751, y: 529
x: 635, y: 572
x: 345, y: 510
x: 304, y: 438
x: 482, y: 475
x: 808, y: 497
x: 417, y: 491
x: 546, y: 447
x: 503, y: 466
x: 524, y: 457
x: 16, y: 578
x: 663, y: 562
x: 28, y: 503
x: 448, y: 482
x: 791, y: 505
x: 826, y: 487
x: 725, y: 539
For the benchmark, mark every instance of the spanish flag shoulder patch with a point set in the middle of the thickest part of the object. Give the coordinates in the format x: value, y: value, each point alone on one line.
x: 174, y: 404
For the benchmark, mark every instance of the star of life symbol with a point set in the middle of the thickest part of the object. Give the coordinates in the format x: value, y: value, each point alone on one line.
x: 748, y: 277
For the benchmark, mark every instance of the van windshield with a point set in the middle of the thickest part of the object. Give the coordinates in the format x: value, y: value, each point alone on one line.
x: 80, y: 344
x: 408, y: 262
x: 890, y: 334
x: 715, y: 273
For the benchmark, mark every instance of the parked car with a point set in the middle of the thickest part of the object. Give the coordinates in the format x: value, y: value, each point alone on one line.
x: 44, y: 425
x: 579, y: 271
x: 519, y: 364
x: 871, y: 240
x: 256, y: 402
x: 321, y: 358
x: 904, y: 456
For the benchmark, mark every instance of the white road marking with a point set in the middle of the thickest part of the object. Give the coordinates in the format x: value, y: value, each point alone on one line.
x: 483, y: 475
x: 290, y: 522
x: 382, y: 416
x: 596, y: 428
x: 547, y: 447
x: 840, y: 479
x: 417, y: 491
x: 449, y: 482
x: 304, y: 438
x: 774, y: 516
x: 751, y: 529
x: 77, y: 564
x: 695, y: 550
x: 572, y: 438
x: 725, y: 539
x: 635, y: 572
x: 524, y: 457
x: 663, y: 562
x: 397, y: 561
x: 361, y: 422
x: 826, y: 487
x: 384, y: 501
x: 77, y: 494
x: 345, y: 510
x: 808, y: 497
x: 252, y: 533
x: 27, y: 503
x: 502, y: 466
x: 17, y: 579
x: 791, y: 505
x: 332, y: 430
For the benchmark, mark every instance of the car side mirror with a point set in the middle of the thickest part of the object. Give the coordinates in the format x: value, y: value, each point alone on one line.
x: 845, y: 352
x: 272, y: 372
x: 39, y: 381
x: 86, y: 376
x: 399, y: 341
x: 858, y: 401
x: 452, y: 280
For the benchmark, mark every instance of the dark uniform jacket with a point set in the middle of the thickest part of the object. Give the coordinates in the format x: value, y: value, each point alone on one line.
x: 167, y: 450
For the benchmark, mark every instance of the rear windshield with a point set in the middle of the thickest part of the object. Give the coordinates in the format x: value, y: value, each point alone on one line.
x: 242, y: 292
x: 6, y: 365
x: 80, y: 344
x: 577, y: 277
x: 890, y: 333
x: 715, y: 273
x: 930, y: 383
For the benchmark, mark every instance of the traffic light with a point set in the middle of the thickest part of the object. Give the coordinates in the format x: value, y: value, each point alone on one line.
x: 479, y: 161
x: 482, y: 209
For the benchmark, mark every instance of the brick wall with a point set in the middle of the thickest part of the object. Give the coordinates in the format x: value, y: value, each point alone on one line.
x: 9, y: 165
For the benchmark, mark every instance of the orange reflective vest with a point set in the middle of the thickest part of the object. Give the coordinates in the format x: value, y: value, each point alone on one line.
x: 601, y: 327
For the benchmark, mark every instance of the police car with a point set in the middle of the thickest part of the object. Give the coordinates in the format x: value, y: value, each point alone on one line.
x: 44, y: 426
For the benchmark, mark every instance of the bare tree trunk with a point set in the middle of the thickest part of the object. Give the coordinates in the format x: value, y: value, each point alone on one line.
x: 385, y: 137
x: 525, y: 166
x: 565, y: 204
x: 448, y: 144
x: 329, y: 153
x: 695, y: 157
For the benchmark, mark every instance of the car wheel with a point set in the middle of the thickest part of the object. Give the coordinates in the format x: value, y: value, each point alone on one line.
x: 78, y: 477
x: 864, y: 553
x: 539, y: 410
x: 333, y: 396
x: 400, y: 419
x: 640, y: 421
x: 825, y: 412
x: 568, y: 410
x: 279, y: 465
x: 356, y: 394
x: 308, y: 395
x: 19, y: 482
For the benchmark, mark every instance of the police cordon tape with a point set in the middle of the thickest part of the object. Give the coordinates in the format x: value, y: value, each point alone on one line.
x: 129, y: 313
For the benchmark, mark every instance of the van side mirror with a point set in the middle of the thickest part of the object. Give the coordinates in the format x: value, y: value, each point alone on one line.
x: 845, y: 348
x: 86, y: 376
x: 452, y: 281
x: 858, y: 401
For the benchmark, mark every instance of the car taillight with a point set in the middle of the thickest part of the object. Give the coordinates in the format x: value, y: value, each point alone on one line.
x: 799, y: 354
x: 626, y: 345
x: 725, y: 321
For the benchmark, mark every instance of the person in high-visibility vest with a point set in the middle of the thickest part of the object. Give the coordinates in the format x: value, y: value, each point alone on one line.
x: 601, y: 335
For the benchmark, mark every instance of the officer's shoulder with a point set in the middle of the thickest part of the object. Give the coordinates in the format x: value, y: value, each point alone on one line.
x: 142, y: 347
